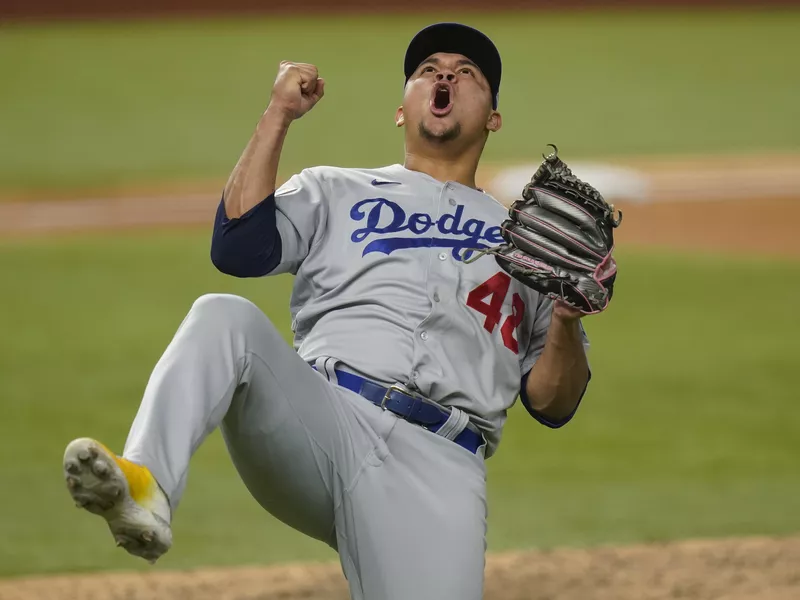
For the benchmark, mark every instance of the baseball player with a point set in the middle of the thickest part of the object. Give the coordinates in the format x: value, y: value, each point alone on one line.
x: 369, y: 435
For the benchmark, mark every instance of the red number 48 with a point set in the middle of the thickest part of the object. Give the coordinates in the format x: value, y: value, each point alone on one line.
x: 495, y: 289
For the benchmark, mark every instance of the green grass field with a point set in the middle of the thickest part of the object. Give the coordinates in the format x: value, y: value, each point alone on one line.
x: 105, y: 105
x: 690, y: 427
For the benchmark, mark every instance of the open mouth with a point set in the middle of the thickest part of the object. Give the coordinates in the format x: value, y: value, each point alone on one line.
x: 442, y: 100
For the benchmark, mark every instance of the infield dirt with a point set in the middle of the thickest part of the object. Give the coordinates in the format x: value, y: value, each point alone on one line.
x: 712, y: 211
x: 736, y: 569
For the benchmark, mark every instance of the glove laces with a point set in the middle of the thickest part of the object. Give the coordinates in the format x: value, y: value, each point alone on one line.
x: 555, y: 170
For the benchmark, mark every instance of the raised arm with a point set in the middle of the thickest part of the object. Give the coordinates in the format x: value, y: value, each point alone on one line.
x: 246, y: 240
x: 297, y: 89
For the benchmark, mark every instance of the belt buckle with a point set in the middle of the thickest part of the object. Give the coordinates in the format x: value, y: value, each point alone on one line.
x: 411, y: 393
x: 403, y: 390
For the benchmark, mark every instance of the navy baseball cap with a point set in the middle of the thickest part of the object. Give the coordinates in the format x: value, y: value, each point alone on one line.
x: 455, y: 38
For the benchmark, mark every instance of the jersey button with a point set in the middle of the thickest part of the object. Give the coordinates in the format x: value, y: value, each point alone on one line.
x: 435, y: 296
x: 452, y: 201
x: 424, y: 335
x: 442, y: 255
x: 414, y: 374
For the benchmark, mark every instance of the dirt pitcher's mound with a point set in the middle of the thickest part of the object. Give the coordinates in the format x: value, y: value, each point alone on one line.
x: 749, y: 569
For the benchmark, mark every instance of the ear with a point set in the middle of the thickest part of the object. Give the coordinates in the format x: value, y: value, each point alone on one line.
x: 495, y: 121
x: 399, y: 117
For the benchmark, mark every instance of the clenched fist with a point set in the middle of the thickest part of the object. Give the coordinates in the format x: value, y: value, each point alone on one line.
x: 297, y: 89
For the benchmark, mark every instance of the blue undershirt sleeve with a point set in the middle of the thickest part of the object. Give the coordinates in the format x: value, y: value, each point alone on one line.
x: 248, y: 246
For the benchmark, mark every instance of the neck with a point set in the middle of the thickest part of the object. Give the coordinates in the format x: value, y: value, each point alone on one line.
x: 441, y: 167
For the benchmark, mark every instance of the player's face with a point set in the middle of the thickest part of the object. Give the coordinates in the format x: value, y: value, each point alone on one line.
x: 448, y: 98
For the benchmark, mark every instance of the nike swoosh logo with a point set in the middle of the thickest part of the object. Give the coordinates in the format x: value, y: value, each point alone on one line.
x: 375, y: 182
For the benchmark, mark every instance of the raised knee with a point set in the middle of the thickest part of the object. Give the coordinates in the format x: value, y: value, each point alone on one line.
x: 225, y: 309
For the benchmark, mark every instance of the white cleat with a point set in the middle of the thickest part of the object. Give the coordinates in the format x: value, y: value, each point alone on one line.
x: 125, y: 494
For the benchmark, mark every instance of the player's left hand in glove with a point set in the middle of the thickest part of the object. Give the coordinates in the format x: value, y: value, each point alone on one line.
x: 559, y: 239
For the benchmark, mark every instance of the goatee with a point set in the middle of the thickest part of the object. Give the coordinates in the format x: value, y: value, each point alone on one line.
x: 447, y: 135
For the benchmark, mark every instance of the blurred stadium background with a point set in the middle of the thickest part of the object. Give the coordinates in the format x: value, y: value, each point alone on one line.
x: 119, y: 124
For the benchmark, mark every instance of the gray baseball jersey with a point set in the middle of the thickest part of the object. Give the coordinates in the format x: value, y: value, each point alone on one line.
x: 381, y: 286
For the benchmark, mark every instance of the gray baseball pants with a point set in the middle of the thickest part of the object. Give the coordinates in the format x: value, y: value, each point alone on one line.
x: 405, y: 508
